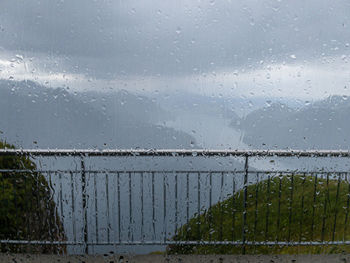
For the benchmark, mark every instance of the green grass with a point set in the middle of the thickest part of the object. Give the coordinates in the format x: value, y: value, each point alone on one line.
x: 275, y: 211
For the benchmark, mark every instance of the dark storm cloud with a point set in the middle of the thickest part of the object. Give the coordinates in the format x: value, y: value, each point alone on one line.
x: 111, y: 38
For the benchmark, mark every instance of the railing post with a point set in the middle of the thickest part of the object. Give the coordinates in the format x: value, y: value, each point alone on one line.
x: 245, y: 196
x: 84, y: 200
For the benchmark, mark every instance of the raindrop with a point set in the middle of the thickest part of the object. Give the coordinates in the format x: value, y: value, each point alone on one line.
x: 20, y: 57
x: 178, y: 30
x: 252, y: 22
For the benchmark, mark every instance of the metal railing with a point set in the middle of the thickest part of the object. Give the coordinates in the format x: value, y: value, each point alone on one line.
x: 103, y: 205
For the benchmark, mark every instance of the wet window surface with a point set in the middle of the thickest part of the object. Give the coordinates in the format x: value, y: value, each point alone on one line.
x: 174, y: 127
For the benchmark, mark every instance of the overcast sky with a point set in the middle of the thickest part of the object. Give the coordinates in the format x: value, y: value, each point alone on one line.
x: 276, y: 48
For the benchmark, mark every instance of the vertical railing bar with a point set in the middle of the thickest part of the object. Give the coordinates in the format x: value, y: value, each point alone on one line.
x: 84, y: 204
x: 221, y: 207
x: 256, y: 206
x: 119, y: 216
x: 130, y: 228
x: 73, y: 208
x: 326, y: 199
x: 233, y: 206
x: 107, y: 212
x: 38, y: 193
x: 313, y: 207
x: 29, y: 200
x: 164, y: 209
x: 347, y: 207
x: 15, y: 199
x: 3, y: 192
x: 279, y: 206
x: 176, y: 201
x: 114, y: 217
x: 302, y: 208
x: 61, y: 196
x: 199, y: 206
x: 210, y: 204
x: 187, y: 203
x: 267, y: 208
x: 142, y: 212
x: 290, y: 206
x: 51, y: 228
x: 6, y: 205
x: 153, y: 208
x: 96, y: 209
x: 245, y: 196
x: 336, y: 208
x: 36, y: 182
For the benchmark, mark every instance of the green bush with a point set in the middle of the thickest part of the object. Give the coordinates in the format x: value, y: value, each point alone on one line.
x: 27, y: 209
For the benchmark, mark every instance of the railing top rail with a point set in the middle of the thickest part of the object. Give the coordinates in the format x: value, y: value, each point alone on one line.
x: 174, y: 152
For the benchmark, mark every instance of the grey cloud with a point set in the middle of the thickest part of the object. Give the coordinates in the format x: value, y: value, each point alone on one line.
x: 109, y: 38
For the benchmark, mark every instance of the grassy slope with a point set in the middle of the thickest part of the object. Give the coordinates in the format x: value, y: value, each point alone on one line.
x: 223, y: 221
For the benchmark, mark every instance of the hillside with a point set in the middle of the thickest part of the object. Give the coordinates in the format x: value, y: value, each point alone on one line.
x: 321, y: 125
x: 32, y: 115
x: 271, y: 216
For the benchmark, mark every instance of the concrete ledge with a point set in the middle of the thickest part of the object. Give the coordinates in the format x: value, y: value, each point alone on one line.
x: 29, y: 258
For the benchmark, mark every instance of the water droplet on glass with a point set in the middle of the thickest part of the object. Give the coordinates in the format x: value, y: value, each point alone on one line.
x: 178, y: 30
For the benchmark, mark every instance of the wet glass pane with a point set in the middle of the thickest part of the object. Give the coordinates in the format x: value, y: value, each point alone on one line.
x: 174, y: 127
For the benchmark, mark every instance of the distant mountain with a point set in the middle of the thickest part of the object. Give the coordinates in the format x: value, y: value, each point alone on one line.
x: 32, y: 115
x: 323, y: 125
x: 125, y: 106
x: 204, y: 105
